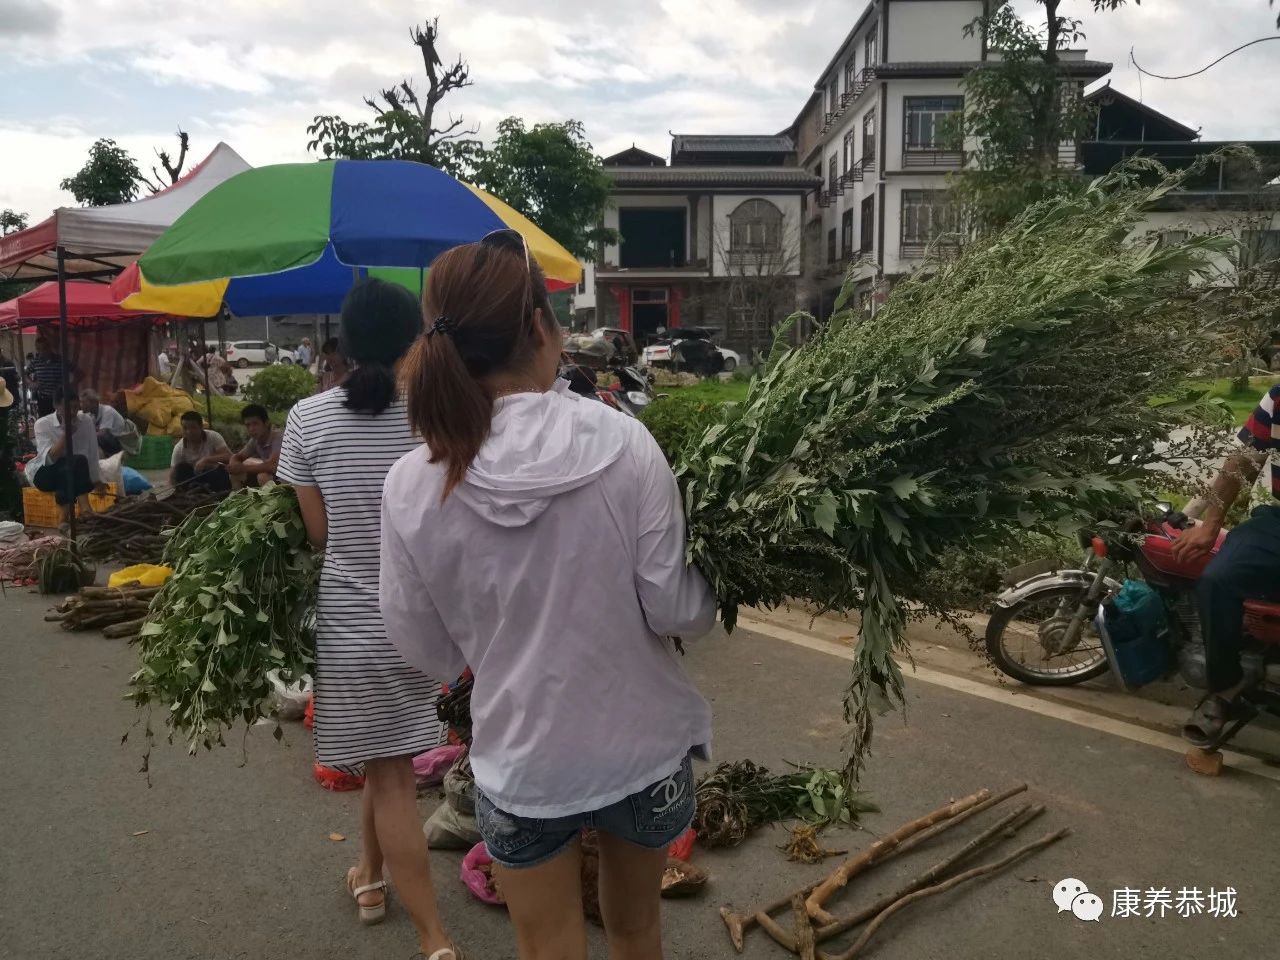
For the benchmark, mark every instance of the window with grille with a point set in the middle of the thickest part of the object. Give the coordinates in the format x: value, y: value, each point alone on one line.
x: 872, y: 47
x: 755, y: 226
x: 851, y: 73
x: 833, y: 95
x: 869, y: 137
x: 923, y: 125
x: 831, y: 245
x: 846, y: 234
x: 831, y: 175
x: 848, y: 151
x: 867, y: 227
x: 926, y: 216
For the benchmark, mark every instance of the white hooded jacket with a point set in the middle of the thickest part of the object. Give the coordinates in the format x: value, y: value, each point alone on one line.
x: 556, y: 571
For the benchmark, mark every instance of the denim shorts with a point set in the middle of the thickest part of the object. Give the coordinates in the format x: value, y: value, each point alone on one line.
x: 653, y: 817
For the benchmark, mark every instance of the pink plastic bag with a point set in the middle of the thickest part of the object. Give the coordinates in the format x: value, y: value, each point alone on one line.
x: 475, y: 879
x: 429, y: 768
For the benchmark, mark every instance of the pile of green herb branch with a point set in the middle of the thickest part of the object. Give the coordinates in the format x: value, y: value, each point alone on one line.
x: 239, y: 604
x: 736, y: 798
x: 1010, y: 391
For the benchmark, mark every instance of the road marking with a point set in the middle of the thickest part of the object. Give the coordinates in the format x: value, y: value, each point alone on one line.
x: 1059, y: 711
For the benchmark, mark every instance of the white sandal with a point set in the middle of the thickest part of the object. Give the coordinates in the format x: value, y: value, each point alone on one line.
x: 368, y: 915
x: 450, y: 952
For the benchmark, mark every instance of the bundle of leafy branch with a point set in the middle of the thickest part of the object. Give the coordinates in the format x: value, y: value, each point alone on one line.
x: 238, y: 605
x: 736, y: 798
x: 1011, y: 390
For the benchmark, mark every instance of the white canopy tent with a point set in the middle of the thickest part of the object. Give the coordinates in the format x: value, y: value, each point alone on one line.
x: 103, y: 240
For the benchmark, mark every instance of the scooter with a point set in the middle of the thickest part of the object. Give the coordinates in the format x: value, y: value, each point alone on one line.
x: 1056, y: 627
x: 632, y: 390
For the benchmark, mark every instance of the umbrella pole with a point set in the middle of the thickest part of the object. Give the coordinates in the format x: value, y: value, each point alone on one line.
x: 68, y: 422
x: 208, y: 394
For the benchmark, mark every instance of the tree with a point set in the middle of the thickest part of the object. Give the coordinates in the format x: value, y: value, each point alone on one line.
x: 1020, y: 108
x: 110, y: 176
x: 11, y: 221
x: 549, y: 173
x: 757, y: 253
x: 172, y: 169
x: 405, y: 122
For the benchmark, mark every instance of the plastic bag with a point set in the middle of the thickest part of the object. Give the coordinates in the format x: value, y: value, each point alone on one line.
x: 682, y: 849
x: 336, y: 780
x: 476, y: 880
x: 430, y: 767
x: 109, y: 469
x: 145, y: 574
x: 447, y: 829
x: 134, y: 482
x: 289, y: 700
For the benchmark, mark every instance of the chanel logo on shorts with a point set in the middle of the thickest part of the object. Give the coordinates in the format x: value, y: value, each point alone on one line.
x: 671, y: 793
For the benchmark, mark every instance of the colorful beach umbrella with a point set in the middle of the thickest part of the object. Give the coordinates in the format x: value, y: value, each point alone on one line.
x: 292, y: 238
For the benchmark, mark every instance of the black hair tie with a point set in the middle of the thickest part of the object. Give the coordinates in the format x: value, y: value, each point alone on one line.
x: 443, y: 325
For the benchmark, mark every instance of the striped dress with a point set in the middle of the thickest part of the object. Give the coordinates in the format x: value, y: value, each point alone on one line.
x: 369, y: 702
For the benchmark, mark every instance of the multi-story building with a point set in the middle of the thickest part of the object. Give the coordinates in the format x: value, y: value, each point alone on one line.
x: 1229, y: 195
x: 710, y: 239
x: 883, y: 150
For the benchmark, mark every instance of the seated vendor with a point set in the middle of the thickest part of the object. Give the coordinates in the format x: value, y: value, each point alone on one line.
x: 110, y: 426
x: 255, y: 464
x: 68, y: 474
x: 201, y: 456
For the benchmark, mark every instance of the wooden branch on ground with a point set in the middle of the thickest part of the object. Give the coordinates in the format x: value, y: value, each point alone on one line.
x: 856, y: 864
x: 806, y: 946
x: 943, y: 887
x: 1007, y: 826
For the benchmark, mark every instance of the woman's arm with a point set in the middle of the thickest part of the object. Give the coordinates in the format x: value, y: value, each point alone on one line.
x: 675, y: 596
x: 311, y: 503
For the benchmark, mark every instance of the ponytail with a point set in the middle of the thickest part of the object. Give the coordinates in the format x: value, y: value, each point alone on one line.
x: 380, y: 321
x: 447, y: 406
x: 480, y: 301
x: 371, y: 388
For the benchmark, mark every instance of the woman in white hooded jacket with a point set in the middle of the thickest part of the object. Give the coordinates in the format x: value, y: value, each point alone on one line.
x: 538, y: 538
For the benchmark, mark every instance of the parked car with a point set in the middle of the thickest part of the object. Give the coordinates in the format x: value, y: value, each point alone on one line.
x: 244, y: 352
x: 630, y: 352
x: 667, y: 351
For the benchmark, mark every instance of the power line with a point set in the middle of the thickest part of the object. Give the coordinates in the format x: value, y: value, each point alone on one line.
x: 1184, y: 76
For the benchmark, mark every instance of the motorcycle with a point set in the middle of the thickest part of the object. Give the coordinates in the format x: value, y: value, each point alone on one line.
x: 1078, y: 624
x: 632, y: 390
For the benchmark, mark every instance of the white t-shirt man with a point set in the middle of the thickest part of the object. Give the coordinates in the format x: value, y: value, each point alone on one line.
x: 193, y: 453
x: 84, y: 441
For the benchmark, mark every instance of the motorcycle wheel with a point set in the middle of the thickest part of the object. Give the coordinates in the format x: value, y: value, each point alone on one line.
x: 1020, y: 626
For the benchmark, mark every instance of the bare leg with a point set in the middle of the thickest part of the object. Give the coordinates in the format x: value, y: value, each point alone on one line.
x: 369, y: 869
x: 392, y: 795
x: 83, y: 501
x: 545, y: 903
x: 630, y: 888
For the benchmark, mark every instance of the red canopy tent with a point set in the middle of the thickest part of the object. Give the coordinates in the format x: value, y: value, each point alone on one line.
x: 86, y: 301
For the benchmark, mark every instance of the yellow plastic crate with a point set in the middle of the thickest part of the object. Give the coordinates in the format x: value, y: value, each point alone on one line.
x: 40, y: 509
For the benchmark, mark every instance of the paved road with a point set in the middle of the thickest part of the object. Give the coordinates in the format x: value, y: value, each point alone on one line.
x: 236, y: 862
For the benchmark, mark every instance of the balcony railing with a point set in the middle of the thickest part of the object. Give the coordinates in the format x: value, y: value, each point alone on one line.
x: 858, y: 171
x: 921, y: 155
x: 864, y: 79
x: 917, y: 250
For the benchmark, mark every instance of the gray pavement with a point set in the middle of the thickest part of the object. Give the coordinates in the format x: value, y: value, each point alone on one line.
x: 236, y: 861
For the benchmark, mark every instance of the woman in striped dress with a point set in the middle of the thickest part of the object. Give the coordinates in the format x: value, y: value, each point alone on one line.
x: 373, y: 712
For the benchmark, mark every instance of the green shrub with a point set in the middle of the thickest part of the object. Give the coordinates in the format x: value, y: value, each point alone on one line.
x: 279, y: 387
x: 676, y: 419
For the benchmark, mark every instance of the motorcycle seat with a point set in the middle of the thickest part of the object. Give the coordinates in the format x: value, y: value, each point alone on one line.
x: 1262, y: 620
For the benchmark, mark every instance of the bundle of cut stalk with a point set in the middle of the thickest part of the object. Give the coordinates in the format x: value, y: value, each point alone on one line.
x: 117, y: 611
x: 131, y: 530
x: 1012, y: 389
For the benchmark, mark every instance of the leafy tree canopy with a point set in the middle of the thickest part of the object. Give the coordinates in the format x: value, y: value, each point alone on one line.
x: 110, y: 176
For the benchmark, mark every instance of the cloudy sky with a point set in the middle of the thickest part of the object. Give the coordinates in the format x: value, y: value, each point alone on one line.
x: 254, y: 72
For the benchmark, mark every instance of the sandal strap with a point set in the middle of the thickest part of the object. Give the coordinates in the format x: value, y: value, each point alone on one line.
x: 369, y: 888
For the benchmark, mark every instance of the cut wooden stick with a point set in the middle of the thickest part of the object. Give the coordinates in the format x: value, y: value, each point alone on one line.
x: 924, y: 836
x: 856, y: 864
x: 959, y: 878
x: 740, y: 924
x: 806, y: 946
x: 118, y: 630
x: 780, y: 936
x: 1007, y: 826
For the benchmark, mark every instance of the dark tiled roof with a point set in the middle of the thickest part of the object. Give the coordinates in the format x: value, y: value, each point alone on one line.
x: 954, y: 68
x: 737, y: 143
x: 694, y: 176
